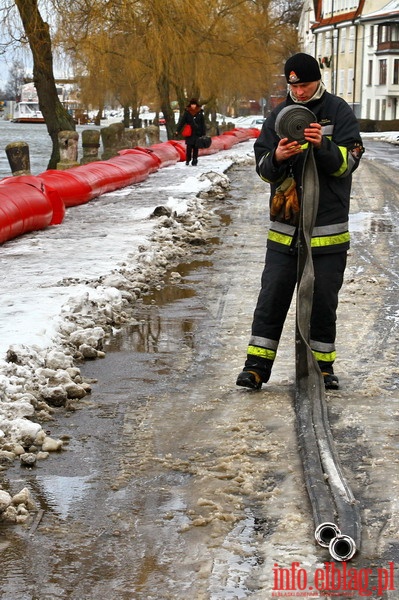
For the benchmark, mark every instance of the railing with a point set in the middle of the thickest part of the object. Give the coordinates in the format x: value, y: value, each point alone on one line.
x: 386, y: 46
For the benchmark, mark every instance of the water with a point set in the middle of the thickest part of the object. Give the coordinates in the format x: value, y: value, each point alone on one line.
x: 38, y: 139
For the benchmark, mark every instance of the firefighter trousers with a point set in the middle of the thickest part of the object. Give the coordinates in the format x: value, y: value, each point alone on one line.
x: 279, y: 279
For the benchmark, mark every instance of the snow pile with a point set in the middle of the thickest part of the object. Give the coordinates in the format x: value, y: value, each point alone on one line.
x: 392, y: 137
x: 34, y: 381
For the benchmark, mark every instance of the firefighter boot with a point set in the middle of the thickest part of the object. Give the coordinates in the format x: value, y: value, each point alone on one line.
x: 331, y: 381
x: 253, y: 375
x: 249, y: 379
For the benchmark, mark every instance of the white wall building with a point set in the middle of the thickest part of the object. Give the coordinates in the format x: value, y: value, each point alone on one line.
x: 357, y: 45
x: 380, y: 77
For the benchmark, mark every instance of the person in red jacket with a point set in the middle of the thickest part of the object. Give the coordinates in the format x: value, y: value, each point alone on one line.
x: 337, y: 148
x: 194, y: 118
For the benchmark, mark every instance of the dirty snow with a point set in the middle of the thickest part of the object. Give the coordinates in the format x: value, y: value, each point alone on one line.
x: 67, y: 288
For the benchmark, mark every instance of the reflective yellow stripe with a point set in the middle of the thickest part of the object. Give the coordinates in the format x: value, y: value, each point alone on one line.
x: 325, y: 356
x: 316, y: 242
x: 261, y: 352
x: 344, y: 167
x: 330, y: 240
x: 280, y: 238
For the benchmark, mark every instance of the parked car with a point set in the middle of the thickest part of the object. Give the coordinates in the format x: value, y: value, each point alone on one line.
x: 249, y: 121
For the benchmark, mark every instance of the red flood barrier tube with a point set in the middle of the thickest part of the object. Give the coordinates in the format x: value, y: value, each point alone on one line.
x: 147, y: 158
x: 218, y: 143
x: 112, y: 174
x: 81, y: 184
x: 167, y: 153
x: 229, y: 139
x: 27, y: 205
x: 180, y: 146
x: 242, y: 134
x: 135, y: 166
x: 213, y: 149
x: 254, y: 131
x: 72, y: 190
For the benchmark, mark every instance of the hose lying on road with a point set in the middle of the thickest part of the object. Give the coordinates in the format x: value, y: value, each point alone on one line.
x: 335, y: 511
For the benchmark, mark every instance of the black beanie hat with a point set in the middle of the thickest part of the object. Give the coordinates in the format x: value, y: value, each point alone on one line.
x: 302, y: 68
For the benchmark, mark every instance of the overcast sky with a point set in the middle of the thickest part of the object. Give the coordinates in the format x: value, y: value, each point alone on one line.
x: 3, y: 73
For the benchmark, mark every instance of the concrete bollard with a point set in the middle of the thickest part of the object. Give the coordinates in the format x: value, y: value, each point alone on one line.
x: 115, y: 137
x: 113, y: 140
x: 68, y: 142
x: 152, y: 133
x: 135, y: 137
x: 18, y: 158
x: 90, y: 145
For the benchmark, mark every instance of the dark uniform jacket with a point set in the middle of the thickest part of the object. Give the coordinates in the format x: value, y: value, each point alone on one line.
x: 337, y: 158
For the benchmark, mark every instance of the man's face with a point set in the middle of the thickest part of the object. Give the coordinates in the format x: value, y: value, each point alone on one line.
x: 304, y: 91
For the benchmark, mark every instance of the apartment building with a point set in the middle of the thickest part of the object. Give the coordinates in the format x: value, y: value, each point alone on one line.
x: 357, y: 45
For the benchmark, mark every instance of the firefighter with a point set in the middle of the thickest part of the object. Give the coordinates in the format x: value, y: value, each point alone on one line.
x: 337, y: 148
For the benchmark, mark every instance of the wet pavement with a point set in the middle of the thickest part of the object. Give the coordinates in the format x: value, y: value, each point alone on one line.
x: 175, y: 483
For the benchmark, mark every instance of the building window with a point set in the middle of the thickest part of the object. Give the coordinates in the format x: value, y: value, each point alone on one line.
x: 382, y: 34
x: 383, y: 72
x: 371, y: 38
x: 351, y: 39
x: 368, y: 108
x: 342, y: 40
x: 370, y: 73
x: 329, y: 45
x: 341, y: 82
x: 350, y: 81
x: 396, y: 71
x: 326, y: 79
x: 327, y: 8
x: 388, y: 32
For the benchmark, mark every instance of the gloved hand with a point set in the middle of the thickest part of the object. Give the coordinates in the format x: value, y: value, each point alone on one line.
x: 291, y: 202
x: 277, y: 203
x: 279, y: 198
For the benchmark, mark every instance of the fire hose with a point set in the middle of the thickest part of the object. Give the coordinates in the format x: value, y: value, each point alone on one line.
x: 336, y: 513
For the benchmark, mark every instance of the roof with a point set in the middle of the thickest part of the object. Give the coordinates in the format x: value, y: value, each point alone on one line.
x: 389, y: 10
x: 339, y: 17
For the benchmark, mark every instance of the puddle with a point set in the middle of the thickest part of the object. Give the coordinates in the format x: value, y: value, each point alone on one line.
x: 61, y: 493
x: 161, y: 317
x: 363, y: 222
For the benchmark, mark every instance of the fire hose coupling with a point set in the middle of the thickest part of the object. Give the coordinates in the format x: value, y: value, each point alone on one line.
x: 342, y: 548
x: 325, y: 533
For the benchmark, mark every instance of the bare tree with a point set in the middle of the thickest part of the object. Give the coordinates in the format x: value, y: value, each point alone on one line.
x: 16, y: 78
x: 152, y: 51
x: 38, y: 34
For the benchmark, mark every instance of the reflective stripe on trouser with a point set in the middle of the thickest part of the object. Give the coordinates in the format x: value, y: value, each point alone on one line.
x: 278, y: 285
x: 262, y: 347
x: 323, y: 352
